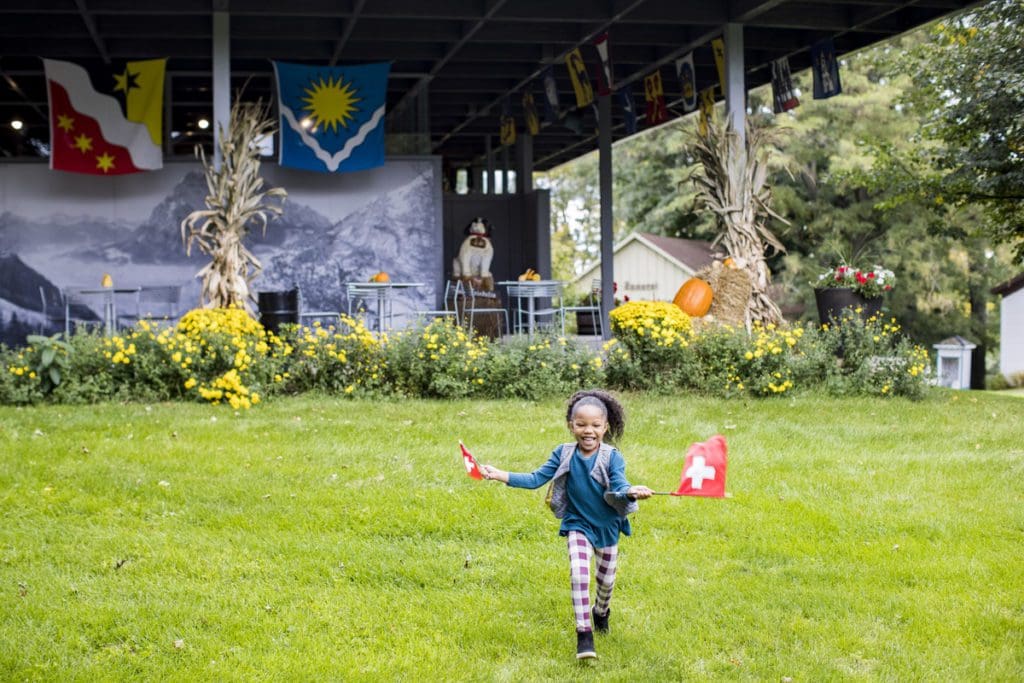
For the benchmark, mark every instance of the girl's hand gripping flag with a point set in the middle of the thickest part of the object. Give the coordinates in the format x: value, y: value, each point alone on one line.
x: 472, y: 469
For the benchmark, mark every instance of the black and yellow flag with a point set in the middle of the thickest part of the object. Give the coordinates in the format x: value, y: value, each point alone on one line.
x: 718, y: 47
x: 580, y: 79
x: 707, y: 109
x: 530, y: 113
x: 654, y: 94
x: 687, y: 81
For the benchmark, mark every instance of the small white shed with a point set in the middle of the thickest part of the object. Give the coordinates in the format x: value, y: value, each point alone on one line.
x: 953, y: 362
x: 651, y: 267
x: 1011, y: 326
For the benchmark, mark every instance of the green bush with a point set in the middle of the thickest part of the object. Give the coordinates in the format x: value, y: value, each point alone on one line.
x: 996, y: 382
x: 653, y: 347
x: 19, y: 383
x: 538, y: 368
x: 440, y: 360
x: 851, y: 357
x: 339, y: 359
x: 224, y: 356
x: 872, y: 357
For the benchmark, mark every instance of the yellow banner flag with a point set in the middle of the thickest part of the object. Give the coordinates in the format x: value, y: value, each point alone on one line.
x: 718, y: 47
x: 707, y: 109
x: 508, y: 130
x: 530, y: 113
x: 580, y: 79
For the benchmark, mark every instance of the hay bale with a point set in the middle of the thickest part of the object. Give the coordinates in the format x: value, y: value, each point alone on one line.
x: 732, y: 290
x: 710, y: 274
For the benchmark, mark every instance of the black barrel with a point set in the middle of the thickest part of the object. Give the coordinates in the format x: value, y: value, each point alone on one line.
x: 277, y: 308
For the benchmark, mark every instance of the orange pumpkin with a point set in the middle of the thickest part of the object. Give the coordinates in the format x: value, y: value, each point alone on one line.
x: 694, y: 297
x: 380, y: 277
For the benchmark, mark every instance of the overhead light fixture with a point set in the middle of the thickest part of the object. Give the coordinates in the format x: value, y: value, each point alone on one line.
x: 203, y: 123
x: 17, y: 124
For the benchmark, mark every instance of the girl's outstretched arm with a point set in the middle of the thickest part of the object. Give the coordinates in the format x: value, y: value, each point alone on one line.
x: 538, y: 477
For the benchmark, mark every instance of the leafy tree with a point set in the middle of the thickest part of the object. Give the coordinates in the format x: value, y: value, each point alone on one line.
x: 650, y: 194
x: 575, y: 214
x: 969, y: 95
x: 842, y: 209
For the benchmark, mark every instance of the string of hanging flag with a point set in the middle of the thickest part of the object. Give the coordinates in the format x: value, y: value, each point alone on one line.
x: 332, y: 117
x: 590, y: 65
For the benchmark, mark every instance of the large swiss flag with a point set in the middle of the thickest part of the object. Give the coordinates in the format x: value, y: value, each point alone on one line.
x: 704, y: 469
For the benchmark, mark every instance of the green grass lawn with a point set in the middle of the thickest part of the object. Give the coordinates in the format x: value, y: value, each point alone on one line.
x: 317, y: 538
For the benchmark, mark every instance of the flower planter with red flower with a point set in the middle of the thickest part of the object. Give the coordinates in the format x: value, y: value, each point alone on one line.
x: 848, y: 287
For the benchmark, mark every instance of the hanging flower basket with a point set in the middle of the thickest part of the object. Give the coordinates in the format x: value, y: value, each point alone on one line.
x: 859, y: 289
x: 831, y: 302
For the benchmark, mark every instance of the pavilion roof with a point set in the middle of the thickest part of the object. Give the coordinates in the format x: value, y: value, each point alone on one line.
x: 466, y: 55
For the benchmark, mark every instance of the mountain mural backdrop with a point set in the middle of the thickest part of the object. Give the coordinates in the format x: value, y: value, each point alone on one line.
x: 329, y: 234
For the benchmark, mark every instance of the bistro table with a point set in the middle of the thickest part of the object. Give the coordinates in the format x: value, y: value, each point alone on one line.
x: 529, y: 291
x: 382, y: 292
x: 109, y: 300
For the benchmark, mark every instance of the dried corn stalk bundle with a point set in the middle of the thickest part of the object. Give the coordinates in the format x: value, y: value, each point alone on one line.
x: 235, y: 204
x: 732, y: 182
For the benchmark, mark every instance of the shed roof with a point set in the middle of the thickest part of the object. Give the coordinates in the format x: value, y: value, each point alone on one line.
x: 955, y: 342
x: 693, y: 254
x: 685, y: 253
x: 1010, y: 286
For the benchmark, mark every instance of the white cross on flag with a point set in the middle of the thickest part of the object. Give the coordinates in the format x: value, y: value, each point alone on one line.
x: 704, y: 469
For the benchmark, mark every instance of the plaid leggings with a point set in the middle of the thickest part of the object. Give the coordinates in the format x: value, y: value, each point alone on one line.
x: 580, y: 551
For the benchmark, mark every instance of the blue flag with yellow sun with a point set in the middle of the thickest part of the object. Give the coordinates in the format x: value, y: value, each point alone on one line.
x: 332, y: 117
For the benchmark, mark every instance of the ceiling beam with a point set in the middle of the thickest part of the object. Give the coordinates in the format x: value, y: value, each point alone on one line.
x: 439, y: 64
x: 346, y: 32
x: 90, y: 25
x: 537, y: 72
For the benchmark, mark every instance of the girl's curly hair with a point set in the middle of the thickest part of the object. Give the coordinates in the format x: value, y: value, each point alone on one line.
x: 613, y: 410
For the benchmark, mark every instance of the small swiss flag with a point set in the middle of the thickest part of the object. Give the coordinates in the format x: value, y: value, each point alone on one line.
x: 472, y: 469
x: 704, y: 470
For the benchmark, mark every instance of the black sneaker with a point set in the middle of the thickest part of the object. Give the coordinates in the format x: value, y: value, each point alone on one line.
x: 585, y: 645
x: 600, y: 623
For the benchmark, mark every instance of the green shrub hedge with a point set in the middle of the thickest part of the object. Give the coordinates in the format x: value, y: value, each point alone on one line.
x: 225, y: 357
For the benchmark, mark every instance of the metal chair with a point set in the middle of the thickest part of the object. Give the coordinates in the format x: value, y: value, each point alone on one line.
x: 360, y: 295
x: 52, y: 308
x: 78, y: 312
x: 474, y: 302
x: 531, y: 316
x: 591, y: 304
x: 155, y: 303
x: 311, y: 316
x: 449, y: 295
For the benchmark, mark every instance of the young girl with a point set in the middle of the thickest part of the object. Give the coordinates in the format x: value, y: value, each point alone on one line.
x: 591, y: 496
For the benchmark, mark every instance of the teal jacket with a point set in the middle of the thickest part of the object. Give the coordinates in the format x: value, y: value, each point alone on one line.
x: 608, y: 471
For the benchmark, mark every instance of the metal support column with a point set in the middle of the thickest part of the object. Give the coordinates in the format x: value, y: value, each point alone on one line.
x: 505, y: 189
x: 735, y: 83
x: 604, y: 166
x: 476, y: 179
x: 221, y: 80
x: 489, y: 189
x: 524, y: 163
